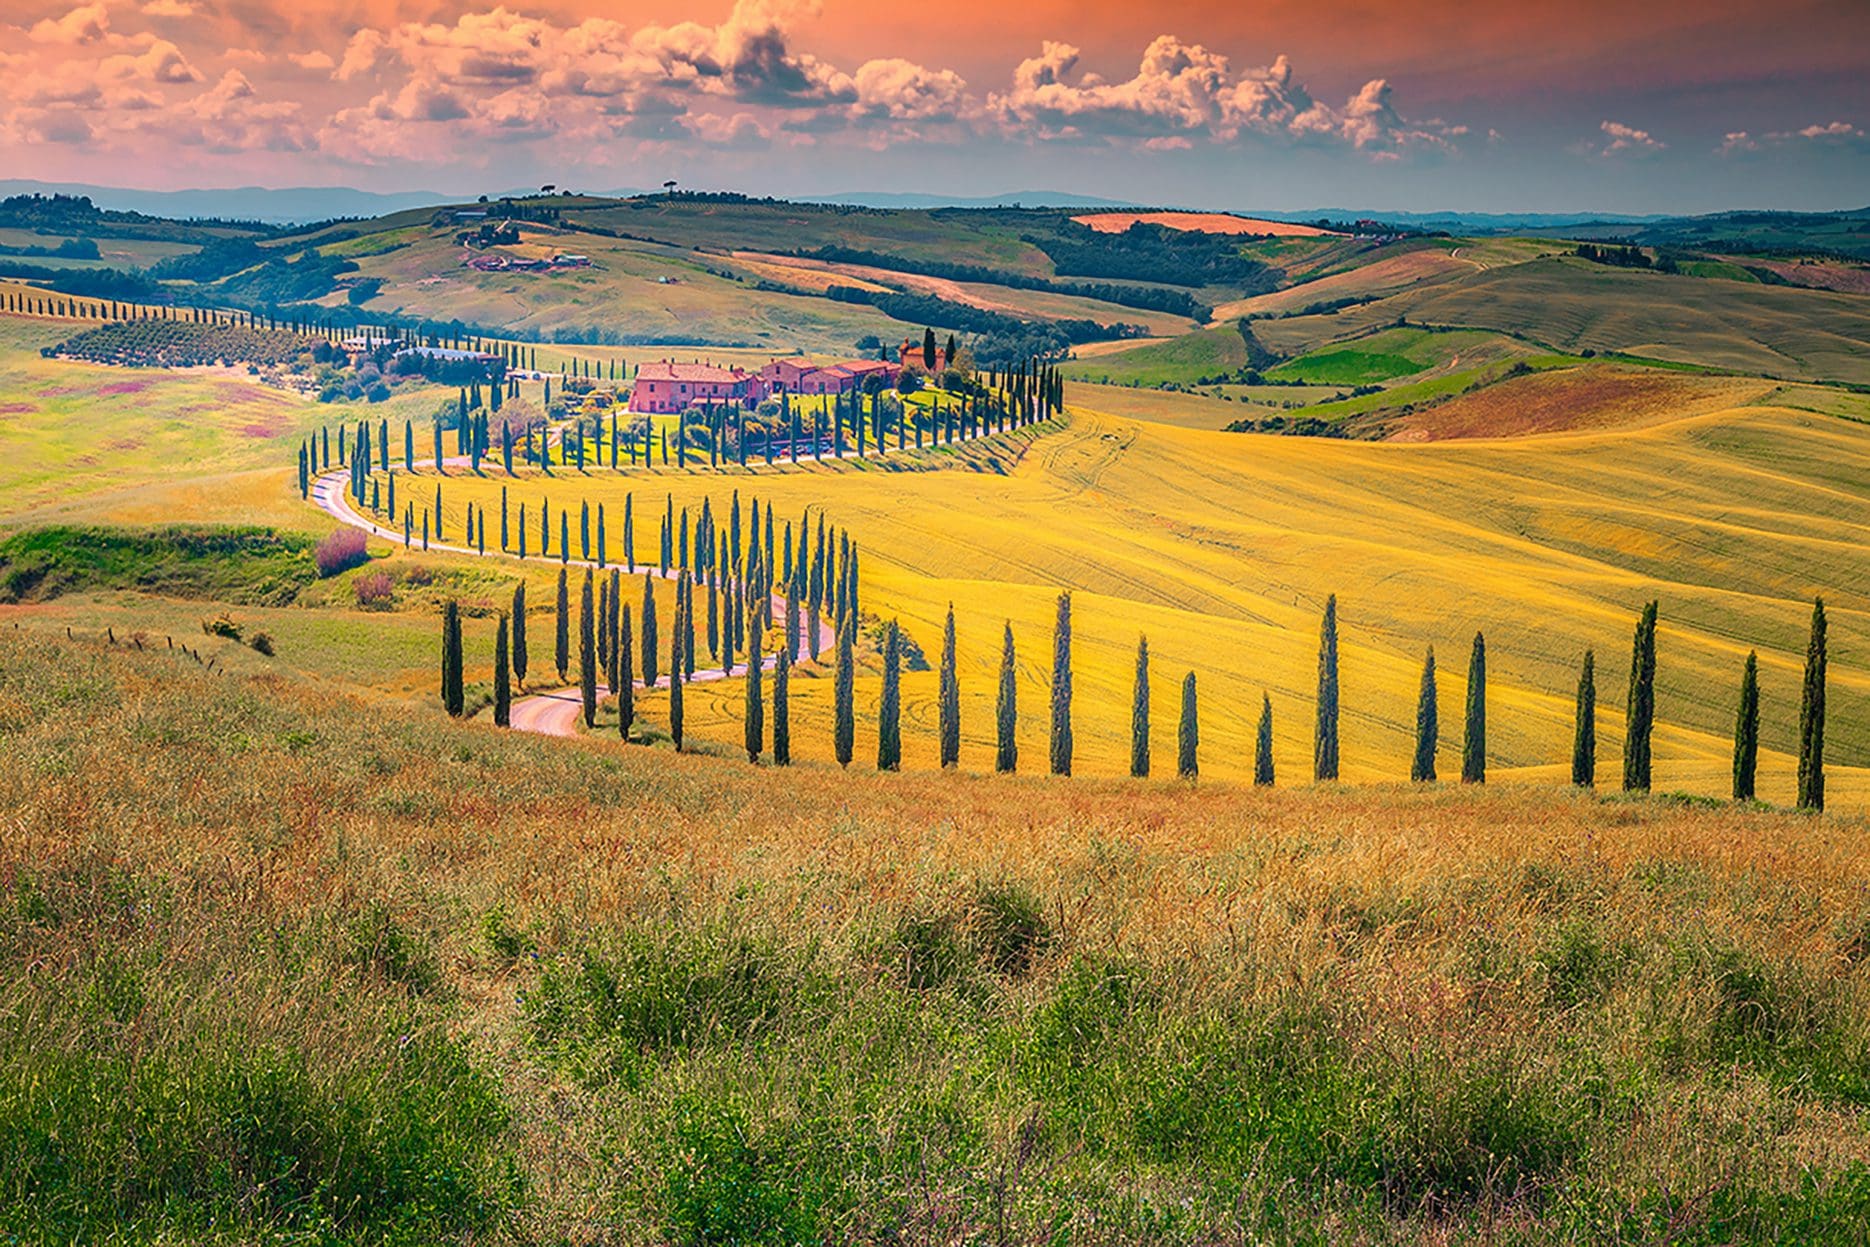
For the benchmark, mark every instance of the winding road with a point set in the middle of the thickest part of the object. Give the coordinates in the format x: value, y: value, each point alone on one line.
x: 555, y: 712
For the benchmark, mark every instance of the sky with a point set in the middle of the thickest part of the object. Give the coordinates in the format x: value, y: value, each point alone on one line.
x: 1283, y: 105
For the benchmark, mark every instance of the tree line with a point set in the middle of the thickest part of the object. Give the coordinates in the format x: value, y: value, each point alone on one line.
x: 1640, y: 705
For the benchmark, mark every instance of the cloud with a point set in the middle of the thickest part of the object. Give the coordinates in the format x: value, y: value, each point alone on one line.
x: 316, y: 60
x: 84, y: 25
x: 1740, y: 142
x: 1836, y: 130
x: 1184, y: 90
x: 1628, y: 139
x: 170, y: 8
x: 903, y: 90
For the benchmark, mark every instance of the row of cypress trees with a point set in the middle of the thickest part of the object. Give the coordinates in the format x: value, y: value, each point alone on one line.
x: 1640, y: 705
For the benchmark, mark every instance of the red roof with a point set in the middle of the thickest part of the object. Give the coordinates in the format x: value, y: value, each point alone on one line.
x: 667, y: 371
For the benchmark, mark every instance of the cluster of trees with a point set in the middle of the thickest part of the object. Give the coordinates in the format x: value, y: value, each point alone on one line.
x: 157, y: 343
x: 1622, y: 256
x: 1149, y: 298
x: 929, y: 309
x: 1029, y: 394
x: 727, y: 577
x: 1640, y: 705
x: 1154, y: 253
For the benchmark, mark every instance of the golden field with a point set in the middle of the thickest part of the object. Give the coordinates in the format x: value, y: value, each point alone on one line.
x: 1223, y: 547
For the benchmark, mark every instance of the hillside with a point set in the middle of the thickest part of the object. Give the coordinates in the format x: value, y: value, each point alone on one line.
x: 292, y: 973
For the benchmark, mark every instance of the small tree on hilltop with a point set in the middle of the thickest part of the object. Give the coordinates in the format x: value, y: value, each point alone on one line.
x: 1139, y: 712
x: 950, y: 696
x: 587, y: 653
x: 1188, y: 732
x: 755, y: 700
x: 453, y: 699
x: 1006, y: 708
x: 1263, y: 745
x: 502, y: 678
x: 519, y: 633
x: 1584, y: 728
x: 1061, y: 688
x: 1474, y: 740
x: 1812, y: 717
x: 1747, y: 730
x: 889, y: 703
x: 1641, y: 707
x: 649, y: 631
x: 562, y: 648
x: 626, y: 677
x: 1325, y: 737
x: 1427, y: 725
x: 844, y: 730
x: 782, y: 709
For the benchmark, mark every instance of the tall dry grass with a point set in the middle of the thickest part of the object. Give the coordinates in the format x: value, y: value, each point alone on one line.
x: 278, y: 963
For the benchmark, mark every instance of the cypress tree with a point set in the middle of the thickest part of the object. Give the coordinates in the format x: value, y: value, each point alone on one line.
x: 1263, y: 745
x: 502, y: 678
x: 1006, y: 708
x: 629, y: 534
x: 1812, y: 716
x: 949, y: 695
x: 1061, y: 687
x: 1641, y: 712
x: 685, y: 592
x: 676, y: 683
x: 562, y: 650
x: 1188, y: 732
x: 626, y: 678
x: 889, y: 704
x: 1584, y: 730
x: 1747, y: 730
x: 519, y: 633
x: 649, y: 632
x: 1325, y: 735
x: 587, y: 653
x: 755, y: 704
x: 1474, y: 741
x: 564, y: 537
x: 603, y: 626
x: 782, y: 710
x: 1427, y: 725
x: 452, y: 698
x: 1139, y: 713
x: 843, y: 727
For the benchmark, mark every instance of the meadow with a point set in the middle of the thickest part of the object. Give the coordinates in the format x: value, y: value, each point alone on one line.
x: 295, y: 974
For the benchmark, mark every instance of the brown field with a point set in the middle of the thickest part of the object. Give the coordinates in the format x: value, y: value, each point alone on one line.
x: 1574, y: 400
x: 1201, y: 223
x: 1817, y: 274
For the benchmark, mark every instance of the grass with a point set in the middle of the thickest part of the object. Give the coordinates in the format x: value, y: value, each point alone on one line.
x: 325, y: 989
x: 84, y: 443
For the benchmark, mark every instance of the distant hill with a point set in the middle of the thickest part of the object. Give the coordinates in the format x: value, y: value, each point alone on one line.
x: 283, y: 206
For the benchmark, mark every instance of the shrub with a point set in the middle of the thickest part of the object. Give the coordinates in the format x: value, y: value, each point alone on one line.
x: 374, y: 590
x: 340, y: 551
x: 262, y: 643
x: 222, y: 625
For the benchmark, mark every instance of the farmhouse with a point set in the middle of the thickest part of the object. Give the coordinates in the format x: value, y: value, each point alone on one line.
x: 910, y: 353
x: 801, y: 376
x: 668, y: 388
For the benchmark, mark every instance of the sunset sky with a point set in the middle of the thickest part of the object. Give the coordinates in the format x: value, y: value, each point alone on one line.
x: 1274, y: 104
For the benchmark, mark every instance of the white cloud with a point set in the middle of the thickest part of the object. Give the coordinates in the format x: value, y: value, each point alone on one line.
x: 86, y: 24
x: 1628, y: 139
x: 1740, y: 142
x: 170, y: 8
x: 1184, y: 90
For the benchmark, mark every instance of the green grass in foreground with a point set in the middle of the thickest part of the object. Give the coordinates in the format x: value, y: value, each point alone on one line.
x: 314, y: 970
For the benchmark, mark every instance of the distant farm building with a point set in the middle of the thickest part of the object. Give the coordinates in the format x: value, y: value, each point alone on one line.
x: 667, y: 388
x: 911, y: 355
